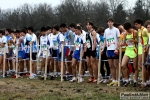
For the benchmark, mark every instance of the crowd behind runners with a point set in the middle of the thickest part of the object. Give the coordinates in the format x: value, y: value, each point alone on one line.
x: 131, y: 38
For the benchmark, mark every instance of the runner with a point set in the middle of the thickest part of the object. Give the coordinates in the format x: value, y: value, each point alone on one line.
x: 27, y: 38
x: 21, y: 52
x: 105, y: 76
x: 69, y: 40
x: 57, y: 39
x: 34, y: 51
x: 142, y: 40
x: 9, y: 65
x: 147, y: 25
x: 84, y: 63
x: 3, y: 43
x: 53, y: 53
x: 48, y: 33
x: 130, y: 53
x: 90, y: 51
x: 111, y: 36
x: 122, y: 40
x: 79, y: 40
x: 43, y: 46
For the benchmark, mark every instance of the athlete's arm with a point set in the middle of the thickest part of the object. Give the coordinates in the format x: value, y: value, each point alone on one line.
x: 20, y: 41
x: 2, y: 44
x: 94, y: 40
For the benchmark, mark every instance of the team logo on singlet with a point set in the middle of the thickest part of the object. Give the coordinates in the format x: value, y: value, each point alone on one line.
x: 111, y: 41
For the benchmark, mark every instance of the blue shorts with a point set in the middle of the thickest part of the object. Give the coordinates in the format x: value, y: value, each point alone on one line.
x: 10, y: 54
x: 26, y: 56
x: 111, y: 55
x: 97, y: 52
x: 21, y: 54
x: 76, y: 56
x: 59, y: 55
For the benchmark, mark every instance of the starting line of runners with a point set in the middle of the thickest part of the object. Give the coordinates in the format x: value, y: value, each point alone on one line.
x: 82, y: 47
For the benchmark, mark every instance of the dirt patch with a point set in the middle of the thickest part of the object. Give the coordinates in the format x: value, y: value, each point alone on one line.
x: 23, y: 89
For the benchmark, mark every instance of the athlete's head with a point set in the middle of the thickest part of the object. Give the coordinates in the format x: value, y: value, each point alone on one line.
x: 17, y: 33
x: 89, y: 25
x: 12, y: 33
x: 49, y: 29
x: 110, y: 22
x: 7, y: 31
x: 1, y: 33
x: 138, y: 23
x: 23, y: 32
x: 94, y: 28
x: 30, y: 30
x: 55, y: 29
x: 63, y: 28
x: 43, y: 31
x: 120, y: 27
x: 101, y: 30
x: 72, y: 27
x: 78, y: 30
x: 147, y: 25
x: 127, y: 26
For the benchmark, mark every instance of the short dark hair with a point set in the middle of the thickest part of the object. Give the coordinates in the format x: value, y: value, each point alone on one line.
x: 48, y: 27
x: 117, y: 24
x: 139, y: 21
x: 63, y: 25
x: 95, y: 28
x: 127, y: 25
x: 17, y: 31
x: 110, y: 19
x: 43, y: 29
x: 101, y: 30
x: 12, y: 31
x: 78, y: 28
x: 56, y: 27
x: 72, y: 25
x: 90, y: 23
x: 147, y: 23
x: 8, y: 29
x: 31, y: 29
x: 2, y: 32
x: 23, y: 30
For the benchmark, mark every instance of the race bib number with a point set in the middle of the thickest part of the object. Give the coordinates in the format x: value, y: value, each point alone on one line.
x: 110, y: 41
x: 44, y: 48
x: 66, y: 41
x: 55, y: 47
x: 130, y: 44
x: 14, y: 50
x: 139, y: 41
x: 88, y: 43
x: 77, y: 45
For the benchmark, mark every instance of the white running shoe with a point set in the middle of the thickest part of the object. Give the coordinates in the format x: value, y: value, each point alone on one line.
x: 81, y: 79
x: 101, y: 81
x: 106, y: 81
x: 33, y: 76
x: 73, y: 79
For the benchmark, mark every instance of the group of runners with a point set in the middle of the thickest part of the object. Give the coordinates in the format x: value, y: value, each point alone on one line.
x: 132, y: 39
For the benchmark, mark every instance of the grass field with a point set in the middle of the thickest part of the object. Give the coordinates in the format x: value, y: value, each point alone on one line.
x: 24, y: 89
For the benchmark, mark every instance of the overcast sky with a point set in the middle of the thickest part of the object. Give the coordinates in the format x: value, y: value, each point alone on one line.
x: 9, y: 4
